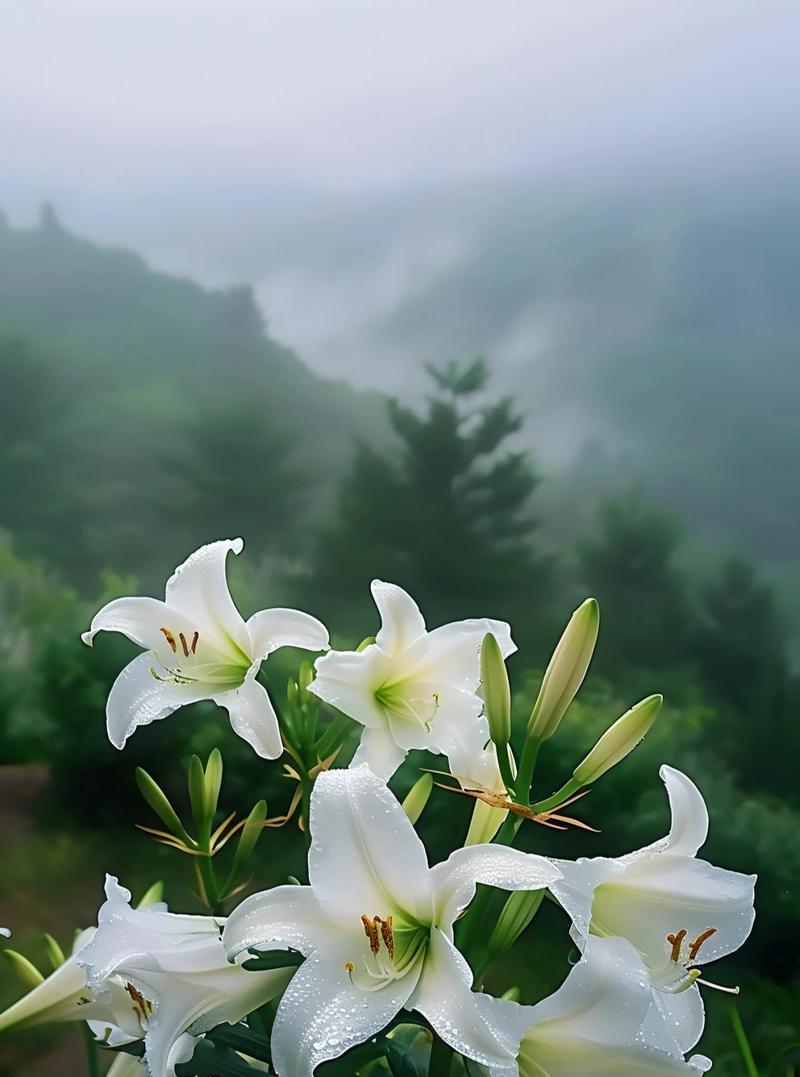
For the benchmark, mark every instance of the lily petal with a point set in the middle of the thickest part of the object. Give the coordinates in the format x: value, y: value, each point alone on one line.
x: 675, y: 1022
x: 142, y: 621
x: 286, y: 916
x: 347, y: 680
x: 138, y: 698
x: 575, y: 889
x: 271, y: 629
x: 379, y: 751
x: 401, y: 621
x: 445, y: 997
x: 323, y: 1014
x: 365, y: 857
x: 198, y: 589
x: 455, y: 880
x: 253, y: 717
x: 663, y: 893
x: 451, y: 654
x: 689, y: 828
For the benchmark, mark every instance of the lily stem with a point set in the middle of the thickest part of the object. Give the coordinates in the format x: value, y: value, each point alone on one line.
x: 743, y: 1044
x: 441, y: 1062
x: 92, y: 1061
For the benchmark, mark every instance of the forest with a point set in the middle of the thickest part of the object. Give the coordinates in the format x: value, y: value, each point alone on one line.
x: 142, y: 415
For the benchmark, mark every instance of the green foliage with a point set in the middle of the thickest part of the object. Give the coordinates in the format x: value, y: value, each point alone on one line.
x: 451, y: 475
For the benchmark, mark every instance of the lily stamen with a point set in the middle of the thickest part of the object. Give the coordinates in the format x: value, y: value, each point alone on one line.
x: 168, y: 636
x: 698, y: 942
x: 676, y: 942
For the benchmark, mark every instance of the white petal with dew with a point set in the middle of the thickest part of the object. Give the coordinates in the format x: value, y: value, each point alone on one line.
x: 323, y: 1014
x: 199, y: 590
x: 271, y: 629
x: 253, y: 717
x: 378, y: 750
x: 445, y: 998
x: 286, y: 916
x: 365, y: 857
x: 138, y: 698
x: 455, y: 880
x: 401, y: 621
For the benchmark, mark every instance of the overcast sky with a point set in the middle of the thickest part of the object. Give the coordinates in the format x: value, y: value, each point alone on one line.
x: 224, y: 139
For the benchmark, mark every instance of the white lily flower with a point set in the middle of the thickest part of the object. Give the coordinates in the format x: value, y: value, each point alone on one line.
x: 376, y: 927
x: 679, y: 912
x: 174, y: 974
x: 593, y: 1024
x: 146, y: 974
x: 199, y: 647
x: 411, y: 688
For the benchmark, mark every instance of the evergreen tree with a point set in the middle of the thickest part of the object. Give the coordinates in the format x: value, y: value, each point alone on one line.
x: 444, y: 513
x: 630, y: 567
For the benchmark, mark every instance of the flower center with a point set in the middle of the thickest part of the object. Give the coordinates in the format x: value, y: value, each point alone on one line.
x: 143, y: 1008
x: 210, y: 666
x: 421, y: 710
x: 394, y: 949
x: 677, y: 974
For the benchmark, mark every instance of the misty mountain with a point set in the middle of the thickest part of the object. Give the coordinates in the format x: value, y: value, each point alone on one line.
x: 651, y: 335
x: 152, y: 397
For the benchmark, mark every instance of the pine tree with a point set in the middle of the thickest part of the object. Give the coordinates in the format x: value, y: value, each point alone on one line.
x: 445, y: 513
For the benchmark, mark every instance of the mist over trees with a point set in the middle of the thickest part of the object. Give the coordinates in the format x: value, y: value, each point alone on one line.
x: 141, y: 416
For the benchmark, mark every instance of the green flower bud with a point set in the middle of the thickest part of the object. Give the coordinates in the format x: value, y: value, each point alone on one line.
x: 196, y: 780
x: 212, y: 783
x: 618, y: 740
x: 414, y: 803
x: 366, y: 642
x: 566, y: 670
x: 496, y: 691
x: 25, y: 970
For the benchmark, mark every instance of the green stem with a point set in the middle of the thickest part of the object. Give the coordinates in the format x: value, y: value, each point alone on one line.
x: 744, y: 1046
x: 307, y: 785
x: 566, y: 791
x: 441, y: 1061
x: 92, y: 1061
x: 527, y: 765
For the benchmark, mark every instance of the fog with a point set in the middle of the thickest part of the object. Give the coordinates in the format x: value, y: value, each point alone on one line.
x: 345, y: 158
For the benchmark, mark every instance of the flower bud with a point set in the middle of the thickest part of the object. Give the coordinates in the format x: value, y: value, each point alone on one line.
x: 152, y: 896
x: 414, y: 803
x: 212, y: 783
x: 366, y: 642
x: 24, y: 969
x: 55, y: 955
x: 618, y: 740
x: 566, y: 670
x: 251, y: 832
x: 496, y: 691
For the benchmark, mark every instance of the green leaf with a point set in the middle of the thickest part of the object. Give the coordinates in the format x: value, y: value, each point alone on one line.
x: 152, y: 896
x: 251, y: 832
x: 240, y: 1038
x: 159, y: 802
x: 403, y: 1060
x: 55, y: 954
x: 210, y: 1060
x: 273, y: 959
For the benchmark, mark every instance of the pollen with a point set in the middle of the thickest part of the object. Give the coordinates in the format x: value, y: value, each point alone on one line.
x: 694, y: 949
x: 376, y: 929
x: 142, y: 1006
x: 371, y: 931
x: 676, y: 942
x: 168, y: 636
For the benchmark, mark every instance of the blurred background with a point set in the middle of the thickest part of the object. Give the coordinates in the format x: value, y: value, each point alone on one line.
x: 499, y: 302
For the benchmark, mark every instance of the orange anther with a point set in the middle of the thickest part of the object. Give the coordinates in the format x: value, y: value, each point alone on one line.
x: 694, y: 949
x: 676, y: 942
x: 168, y: 636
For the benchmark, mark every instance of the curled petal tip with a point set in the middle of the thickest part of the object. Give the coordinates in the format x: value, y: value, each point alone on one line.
x: 87, y: 638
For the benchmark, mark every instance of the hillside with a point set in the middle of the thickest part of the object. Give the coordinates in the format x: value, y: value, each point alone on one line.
x: 134, y: 402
